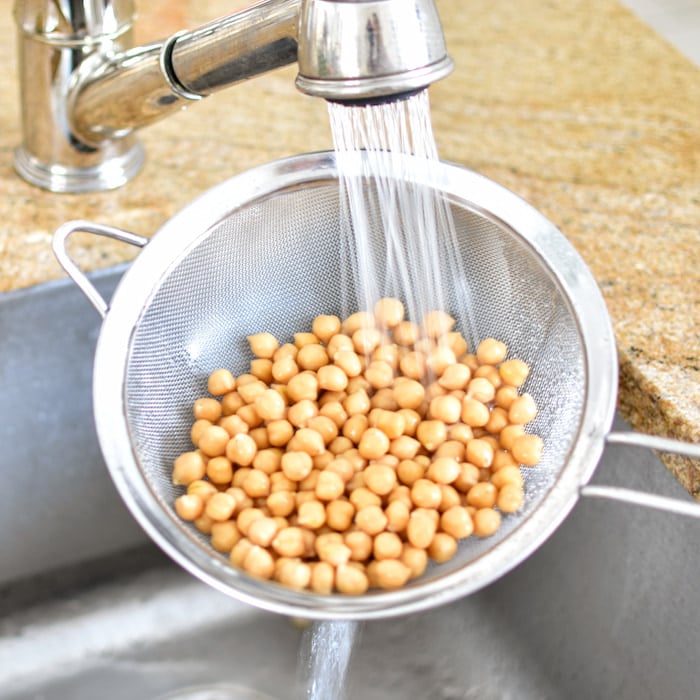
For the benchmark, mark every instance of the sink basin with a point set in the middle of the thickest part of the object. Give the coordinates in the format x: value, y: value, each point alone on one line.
x: 89, y: 608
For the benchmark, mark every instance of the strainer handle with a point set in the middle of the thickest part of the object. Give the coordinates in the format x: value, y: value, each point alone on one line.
x: 60, y: 250
x: 641, y: 498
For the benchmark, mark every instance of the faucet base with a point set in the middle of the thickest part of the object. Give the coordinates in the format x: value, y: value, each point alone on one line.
x: 106, y: 175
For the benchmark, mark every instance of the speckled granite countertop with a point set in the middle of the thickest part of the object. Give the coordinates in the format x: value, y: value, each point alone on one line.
x: 574, y: 104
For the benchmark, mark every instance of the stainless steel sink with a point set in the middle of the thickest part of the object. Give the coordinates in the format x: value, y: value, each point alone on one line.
x: 607, y: 608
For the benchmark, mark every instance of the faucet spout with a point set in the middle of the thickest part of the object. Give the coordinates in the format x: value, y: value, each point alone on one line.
x: 85, y: 89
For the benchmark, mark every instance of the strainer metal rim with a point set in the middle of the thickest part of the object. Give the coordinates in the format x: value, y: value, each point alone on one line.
x: 171, y: 243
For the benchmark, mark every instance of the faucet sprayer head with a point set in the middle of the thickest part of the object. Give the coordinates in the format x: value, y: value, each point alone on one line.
x: 366, y: 51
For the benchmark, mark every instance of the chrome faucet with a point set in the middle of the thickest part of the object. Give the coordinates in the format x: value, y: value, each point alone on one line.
x: 85, y: 89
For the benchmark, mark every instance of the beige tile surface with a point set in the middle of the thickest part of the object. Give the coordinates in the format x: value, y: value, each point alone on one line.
x: 576, y: 105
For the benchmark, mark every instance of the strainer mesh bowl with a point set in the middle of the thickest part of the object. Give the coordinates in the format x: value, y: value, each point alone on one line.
x: 273, y: 263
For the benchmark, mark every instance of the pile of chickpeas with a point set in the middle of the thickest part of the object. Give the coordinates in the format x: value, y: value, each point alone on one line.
x: 348, y: 459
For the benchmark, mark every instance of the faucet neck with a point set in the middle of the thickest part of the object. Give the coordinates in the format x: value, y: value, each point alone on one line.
x: 85, y: 89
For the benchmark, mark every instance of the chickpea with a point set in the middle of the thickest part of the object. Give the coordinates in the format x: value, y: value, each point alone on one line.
x: 450, y: 497
x: 293, y: 573
x: 411, y: 420
x: 442, y: 548
x: 509, y: 435
x: 380, y: 478
x: 329, y: 486
x: 224, y: 536
x: 439, y: 359
x: 301, y: 412
x: 406, y: 333
x: 189, y: 467
x: 373, y: 444
x: 409, y: 393
x: 498, y: 419
x: 491, y: 351
x: 213, y: 440
x: 189, y: 506
x: 426, y: 494
x: 379, y: 374
x: 312, y: 357
x: 259, y: 563
x: 387, y: 545
x: 296, y: 465
x: 339, y: 515
x: 307, y: 440
x: 371, y: 519
x: 431, y: 434
x: 365, y: 340
x: 507, y: 475
x: 413, y: 365
x: 207, y: 409
x: 357, y: 403
x: 451, y: 448
x: 332, y: 378
x: 220, y: 382
x: 281, y: 503
x: 335, y: 411
x: 220, y: 470
x: 233, y: 425
x: 330, y: 548
x: 340, y: 341
x: 479, y: 452
x: 312, y: 514
x: 415, y: 558
x: 482, y: 495
x: 250, y: 391
x: 256, y: 484
x: 262, y: 369
x: 262, y: 531
x: 514, y: 372
x: 505, y: 395
x: 355, y: 427
x: 220, y: 506
x: 388, y: 353
x: 285, y: 350
x: 486, y: 522
x: 420, y: 529
x: 460, y: 432
x: 409, y: 471
x: 510, y: 498
x: 250, y: 416
x: 468, y: 476
x: 201, y: 488
x: 240, y: 551
x: 358, y: 320
x: 457, y: 522
x: 350, y: 580
x: 303, y: 386
x: 481, y: 389
x: 491, y: 374
x: 455, y: 376
x: 241, y: 449
x: 198, y: 428
x: 303, y: 339
x: 523, y: 410
x: 527, y: 449
x: 444, y: 470
x: 389, y: 312
x: 289, y: 542
x: 322, y: 578
x: 348, y: 361
x: 356, y: 384
x: 284, y: 369
x: 324, y: 327
x: 447, y: 409
x: 388, y: 574
x: 437, y: 323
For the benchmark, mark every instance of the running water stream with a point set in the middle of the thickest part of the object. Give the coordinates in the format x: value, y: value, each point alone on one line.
x: 397, y: 236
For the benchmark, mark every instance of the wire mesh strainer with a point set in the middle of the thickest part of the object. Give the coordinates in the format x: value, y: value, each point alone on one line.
x: 260, y: 252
